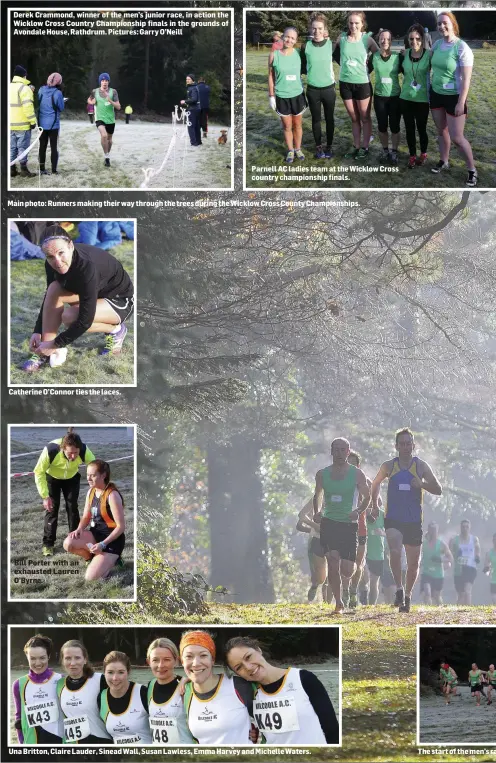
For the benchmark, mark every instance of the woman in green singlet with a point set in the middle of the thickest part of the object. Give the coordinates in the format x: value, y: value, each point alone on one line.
x: 387, y: 67
x: 414, y: 96
x: 316, y: 57
x: 435, y: 556
x: 354, y: 83
x: 452, y: 62
x: 286, y: 95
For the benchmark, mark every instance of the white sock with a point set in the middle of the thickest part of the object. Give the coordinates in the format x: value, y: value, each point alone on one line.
x: 115, y: 329
x: 106, y: 156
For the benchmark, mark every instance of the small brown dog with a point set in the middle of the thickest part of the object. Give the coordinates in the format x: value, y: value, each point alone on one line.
x: 222, y: 138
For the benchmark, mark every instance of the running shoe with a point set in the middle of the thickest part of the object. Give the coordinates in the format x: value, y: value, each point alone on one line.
x: 25, y: 173
x: 290, y: 156
x: 399, y: 598
x: 47, y: 551
x: 385, y: 156
x: 13, y: 171
x: 421, y: 160
x: 320, y: 153
x: 472, y: 178
x: 353, y: 603
x: 35, y: 363
x: 107, y: 162
x: 299, y: 154
x: 120, y: 565
x: 440, y: 167
x: 329, y: 153
x: 45, y: 172
x: 406, y: 606
x: 393, y: 157
x: 412, y: 162
x: 114, y: 342
x: 362, y: 155
x: 312, y: 593
x: 352, y: 153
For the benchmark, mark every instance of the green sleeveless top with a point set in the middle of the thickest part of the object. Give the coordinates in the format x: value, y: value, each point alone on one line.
x: 339, y: 495
x: 475, y: 677
x: 492, y: 558
x: 353, y: 57
x: 287, y: 70
x: 444, y: 64
x: 104, y: 110
x: 375, y: 542
x: 432, y: 564
x: 319, y: 64
x: 416, y: 71
x: 387, y: 83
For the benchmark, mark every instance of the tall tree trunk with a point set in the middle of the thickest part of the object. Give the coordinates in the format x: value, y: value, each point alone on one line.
x: 238, y: 539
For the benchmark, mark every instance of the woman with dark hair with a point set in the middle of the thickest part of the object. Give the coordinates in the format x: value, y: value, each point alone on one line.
x: 87, y: 290
x: 452, y: 62
x: 303, y: 713
x: 56, y: 472
x: 354, y: 81
x: 316, y: 58
x: 78, y: 694
x: 123, y: 705
x: 99, y: 537
x: 37, y: 717
x: 286, y: 96
x: 414, y: 96
x: 387, y: 66
x: 50, y: 104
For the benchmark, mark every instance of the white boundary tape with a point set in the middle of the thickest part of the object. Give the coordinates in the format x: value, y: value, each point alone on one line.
x: 28, y: 149
x: 28, y: 474
x: 179, y: 115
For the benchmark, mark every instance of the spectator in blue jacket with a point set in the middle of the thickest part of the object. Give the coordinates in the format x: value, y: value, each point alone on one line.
x: 204, y: 93
x: 50, y: 104
x: 192, y: 104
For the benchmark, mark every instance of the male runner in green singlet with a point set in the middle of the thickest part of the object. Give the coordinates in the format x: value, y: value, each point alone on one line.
x: 106, y: 101
x: 490, y: 568
x: 337, y: 486
x: 435, y: 555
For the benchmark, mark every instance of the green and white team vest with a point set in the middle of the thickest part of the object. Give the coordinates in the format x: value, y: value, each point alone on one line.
x: 475, y: 677
x: 131, y: 726
x: 339, y: 495
x: 353, y: 57
x: 449, y: 677
x: 375, y: 541
x: 319, y: 64
x: 103, y: 109
x: 467, y: 556
x: 430, y: 567
x: 39, y: 708
x: 492, y: 559
x: 167, y: 720
x: 444, y: 65
x: 80, y: 710
x: 387, y: 83
x: 491, y: 677
x: 287, y: 716
x: 416, y: 78
x: 288, y: 74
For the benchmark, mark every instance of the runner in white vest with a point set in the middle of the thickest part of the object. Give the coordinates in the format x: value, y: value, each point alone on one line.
x: 168, y: 723
x: 218, y: 708
x: 291, y: 706
x: 124, y: 705
x: 78, y: 694
x: 466, y: 551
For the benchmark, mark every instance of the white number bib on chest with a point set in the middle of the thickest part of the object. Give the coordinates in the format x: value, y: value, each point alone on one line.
x: 351, y: 62
x: 291, y: 77
x: 164, y: 731
x: 386, y: 80
x: 76, y: 728
x: 336, y: 498
x: 41, y: 713
x: 404, y: 486
x: 448, y: 86
x: 277, y: 715
x: 128, y: 739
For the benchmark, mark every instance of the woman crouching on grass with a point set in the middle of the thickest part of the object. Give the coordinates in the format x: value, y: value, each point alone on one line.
x: 304, y: 713
x: 99, y: 538
x: 286, y: 95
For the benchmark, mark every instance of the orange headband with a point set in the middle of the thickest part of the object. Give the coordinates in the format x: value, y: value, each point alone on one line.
x: 197, y: 638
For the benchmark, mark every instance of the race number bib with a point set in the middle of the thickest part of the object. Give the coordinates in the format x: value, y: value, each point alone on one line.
x: 276, y: 715
x: 128, y: 739
x: 42, y: 713
x: 404, y: 486
x: 76, y: 728
x: 351, y: 62
x: 164, y: 731
x: 336, y: 498
x: 448, y: 86
x: 386, y: 80
x: 463, y: 560
x: 291, y: 77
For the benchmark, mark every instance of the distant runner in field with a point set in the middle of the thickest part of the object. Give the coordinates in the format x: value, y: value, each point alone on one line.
x: 449, y: 680
x: 490, y: 568
x: 375, y: 553
x: 476, y: 678
x: 435, y: 555
x: 336, y: 486
x: 491, y: 681
x: 316, y: 554
x: 408, y: 477
x: 466, y: 551
x: 355, y: 459
x: 106, y: 102
x: 87, y: 290
x: 56, y: 472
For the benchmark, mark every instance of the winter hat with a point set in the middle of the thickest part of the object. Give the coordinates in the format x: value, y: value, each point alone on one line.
x: 192, y: 76
x: 20, y: 71
x: 54, y: 79
x: 103, y: 75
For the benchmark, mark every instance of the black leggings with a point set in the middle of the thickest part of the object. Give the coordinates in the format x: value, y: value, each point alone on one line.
x: 415, y: 115
x: 53, y: 136
x: 388, y: 113
x: 318, y: 97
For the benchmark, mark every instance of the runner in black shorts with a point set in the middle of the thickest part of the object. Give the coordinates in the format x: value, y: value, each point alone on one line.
x: 337, y: 485
x: 407, y: 477
x: 87, y: 290
x: 105, y: 101
x: 286, y: 96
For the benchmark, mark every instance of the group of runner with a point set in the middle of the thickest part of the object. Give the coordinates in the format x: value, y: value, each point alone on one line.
x: 356, y: 542
x: 477, y: 679
x: 434, y: 79
x: 257, y: 703
x: 98, y: 536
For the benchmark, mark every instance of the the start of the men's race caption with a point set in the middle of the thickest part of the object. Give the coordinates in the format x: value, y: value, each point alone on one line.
x: 119, y: 23
x: 455, y: 751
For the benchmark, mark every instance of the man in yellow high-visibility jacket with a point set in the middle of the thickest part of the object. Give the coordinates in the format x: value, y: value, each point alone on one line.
x: 22, y: 120
x: 128, y: 111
